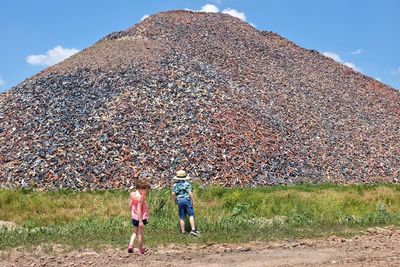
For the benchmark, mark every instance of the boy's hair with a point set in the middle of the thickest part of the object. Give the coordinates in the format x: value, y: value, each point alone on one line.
x: 142, y: 184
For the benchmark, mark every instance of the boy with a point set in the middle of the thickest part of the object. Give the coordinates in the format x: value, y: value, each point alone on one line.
x: 183, y: 196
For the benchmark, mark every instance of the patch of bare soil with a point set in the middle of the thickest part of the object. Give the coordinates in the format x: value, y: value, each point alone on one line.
x: 9, y: 225
x: 378, y: 247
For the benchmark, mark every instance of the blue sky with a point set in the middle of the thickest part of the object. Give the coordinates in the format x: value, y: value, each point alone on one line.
x: 363, y: 34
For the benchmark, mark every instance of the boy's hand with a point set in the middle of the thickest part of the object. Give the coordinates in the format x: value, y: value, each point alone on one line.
x: 141, y: 224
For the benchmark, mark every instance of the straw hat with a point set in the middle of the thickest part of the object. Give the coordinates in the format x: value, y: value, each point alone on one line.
x: 181, y: 175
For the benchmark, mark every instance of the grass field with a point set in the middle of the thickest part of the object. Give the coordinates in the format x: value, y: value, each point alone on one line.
x: 92, y: 219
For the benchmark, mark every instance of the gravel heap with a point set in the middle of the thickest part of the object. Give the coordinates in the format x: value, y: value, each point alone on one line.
x: 232, y: 105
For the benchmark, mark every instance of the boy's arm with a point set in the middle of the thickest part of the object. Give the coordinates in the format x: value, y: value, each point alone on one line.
x: 189, y: 188
x: 191, y: 197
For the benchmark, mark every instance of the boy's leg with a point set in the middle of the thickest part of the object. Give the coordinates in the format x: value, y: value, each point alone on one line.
x: 182, y: 224
x: 192, y: 224
x: 182, y: 216
x: 190, y: 212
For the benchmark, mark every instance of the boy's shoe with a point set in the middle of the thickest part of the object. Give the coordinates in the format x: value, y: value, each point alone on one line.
x: 194, y: 232
x: 130, y: 249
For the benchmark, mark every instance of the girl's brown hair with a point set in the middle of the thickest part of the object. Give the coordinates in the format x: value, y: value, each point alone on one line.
x: 142, y: 184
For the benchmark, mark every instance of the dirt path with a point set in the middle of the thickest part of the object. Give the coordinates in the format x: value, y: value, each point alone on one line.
x: 379, y: 247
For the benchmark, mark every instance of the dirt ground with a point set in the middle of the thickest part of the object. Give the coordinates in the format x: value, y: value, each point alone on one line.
x: 377, y: 247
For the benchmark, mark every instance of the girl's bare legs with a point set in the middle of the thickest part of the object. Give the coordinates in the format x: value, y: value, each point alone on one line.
x: 133, y: 237
x: 140, y: 237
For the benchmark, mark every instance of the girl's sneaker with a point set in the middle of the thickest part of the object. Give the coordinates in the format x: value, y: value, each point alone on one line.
x: 142, y: 251
x: 130, y: 249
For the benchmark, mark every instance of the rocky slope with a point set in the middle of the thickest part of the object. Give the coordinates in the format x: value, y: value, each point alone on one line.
x: 231, y: 104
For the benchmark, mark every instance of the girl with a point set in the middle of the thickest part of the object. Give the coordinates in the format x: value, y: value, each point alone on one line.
x: 139, y: 213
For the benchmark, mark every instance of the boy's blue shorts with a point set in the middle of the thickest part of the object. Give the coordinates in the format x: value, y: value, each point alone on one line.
x: 185, y: 207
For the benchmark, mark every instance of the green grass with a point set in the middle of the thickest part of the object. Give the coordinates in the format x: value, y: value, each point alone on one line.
x: 92, y: 219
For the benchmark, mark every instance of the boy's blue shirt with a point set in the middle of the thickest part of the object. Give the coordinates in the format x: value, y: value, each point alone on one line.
x: 182, y: 189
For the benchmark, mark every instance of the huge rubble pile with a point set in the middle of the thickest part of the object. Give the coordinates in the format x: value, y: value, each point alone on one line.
x: 207, y: 92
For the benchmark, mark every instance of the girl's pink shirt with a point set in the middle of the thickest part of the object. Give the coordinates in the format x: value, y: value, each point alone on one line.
x: 135, y: 202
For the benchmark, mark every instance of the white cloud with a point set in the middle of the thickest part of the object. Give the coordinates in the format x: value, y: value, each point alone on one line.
x: 144, y: 17
x: 333, y: 56
x: 357, y: 52
x: 53, y: 56
x: 337, y: 58
x: 234, y: 13
x: 209, y: 8
x: 2, y: 82
x: 378, y: 79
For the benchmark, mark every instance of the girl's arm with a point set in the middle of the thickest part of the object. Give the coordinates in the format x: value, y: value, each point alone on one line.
x: 139, y: 211
x: 130, y: 201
